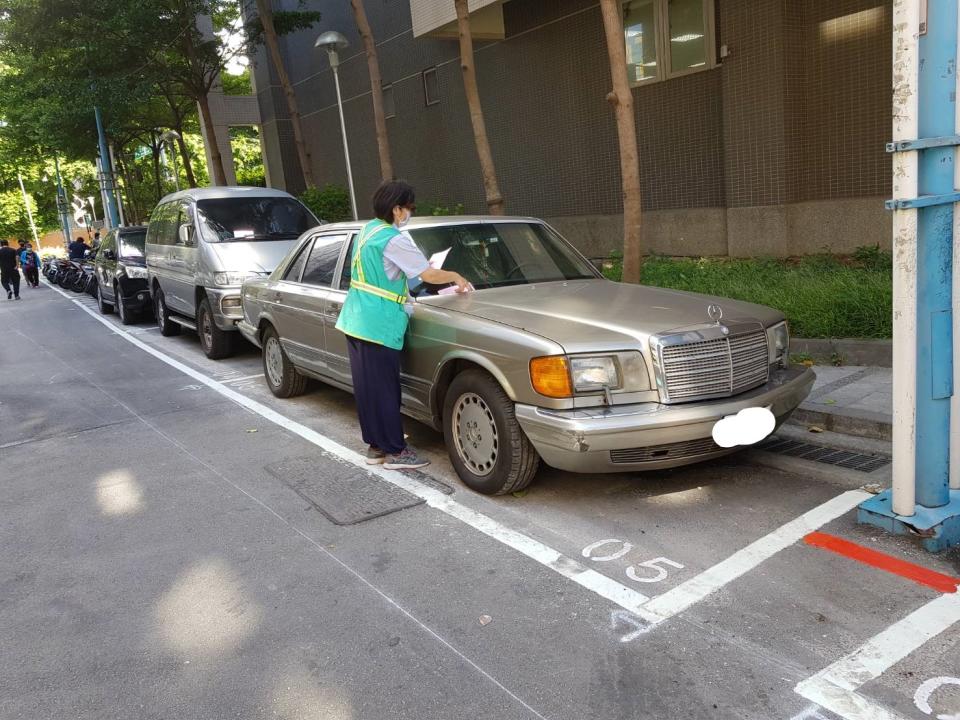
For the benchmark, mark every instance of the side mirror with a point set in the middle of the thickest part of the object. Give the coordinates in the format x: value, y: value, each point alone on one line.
x: 185, y: 235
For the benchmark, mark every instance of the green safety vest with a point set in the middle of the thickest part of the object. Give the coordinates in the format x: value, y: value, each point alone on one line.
x: 373, y: 309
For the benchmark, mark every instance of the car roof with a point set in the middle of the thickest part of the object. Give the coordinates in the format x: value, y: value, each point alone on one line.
x: 222, y: 193
x: 438, y: 221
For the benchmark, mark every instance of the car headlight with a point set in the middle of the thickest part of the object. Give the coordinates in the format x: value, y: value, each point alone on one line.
x: 778, y: 343
x: 560, y: 376
x: 232, y: 279
x: 136, y: 273
x: 594, y: 373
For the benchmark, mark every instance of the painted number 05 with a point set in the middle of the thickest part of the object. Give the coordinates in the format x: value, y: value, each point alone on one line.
x: 618, y: 549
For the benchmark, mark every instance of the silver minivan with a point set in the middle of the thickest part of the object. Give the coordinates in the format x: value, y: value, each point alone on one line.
x: 203, y: 243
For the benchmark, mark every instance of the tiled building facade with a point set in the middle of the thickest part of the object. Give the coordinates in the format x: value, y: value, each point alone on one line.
x: 771, y: 144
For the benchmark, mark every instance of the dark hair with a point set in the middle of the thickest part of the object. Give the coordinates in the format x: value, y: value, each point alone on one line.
x: 4, y: 243
x: 389, y: 195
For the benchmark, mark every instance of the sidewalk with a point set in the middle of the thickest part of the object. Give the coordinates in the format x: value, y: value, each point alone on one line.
x: 850, y: 400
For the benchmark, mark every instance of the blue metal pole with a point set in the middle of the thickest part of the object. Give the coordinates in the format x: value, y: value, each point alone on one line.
x: 107, y: 172
x: 937, y: 88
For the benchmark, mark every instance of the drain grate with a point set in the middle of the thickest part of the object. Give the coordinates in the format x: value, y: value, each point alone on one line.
x: 862, y: 462
x: 344, y: 493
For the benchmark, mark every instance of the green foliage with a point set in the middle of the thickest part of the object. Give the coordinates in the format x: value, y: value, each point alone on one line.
x: 330, y: 204
x: 822, y: 296
x: 247, y: 156
x: 237, y: 84
x: 14, y: 224
x: 435, y: 209
x: 873, y: 257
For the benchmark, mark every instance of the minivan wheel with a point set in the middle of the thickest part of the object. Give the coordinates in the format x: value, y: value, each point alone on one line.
x: 282, y: 377
x: 104, y: 307
x: 166, y: 325
x: 486, y: 444
x: 216, y: 343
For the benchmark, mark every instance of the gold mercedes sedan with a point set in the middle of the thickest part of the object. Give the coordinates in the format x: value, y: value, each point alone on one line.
x: 545, y: 360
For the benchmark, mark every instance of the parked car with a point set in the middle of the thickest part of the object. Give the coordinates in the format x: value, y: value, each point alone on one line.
x: 544, y: 360
x: 203, y: 243
x: 121, y: 273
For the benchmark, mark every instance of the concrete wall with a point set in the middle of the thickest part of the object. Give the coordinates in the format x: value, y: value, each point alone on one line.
x: 777, y: 151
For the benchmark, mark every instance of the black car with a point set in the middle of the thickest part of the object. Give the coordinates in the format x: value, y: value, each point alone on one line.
x: 122, y: 274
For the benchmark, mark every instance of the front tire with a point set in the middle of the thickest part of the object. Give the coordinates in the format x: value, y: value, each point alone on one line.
x: 103, y: 306
x: 486, y: 444
x: 167, y: 327
x: 126, y: 317
x: 216, y: 343
x: 282, y: 377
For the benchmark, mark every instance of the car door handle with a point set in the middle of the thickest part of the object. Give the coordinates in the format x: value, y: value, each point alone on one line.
x: 277, y: 297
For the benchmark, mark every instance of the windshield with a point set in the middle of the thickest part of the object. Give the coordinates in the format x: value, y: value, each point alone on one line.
x: 498, y: 254
x: 253, y: 218
x: 131, y: 244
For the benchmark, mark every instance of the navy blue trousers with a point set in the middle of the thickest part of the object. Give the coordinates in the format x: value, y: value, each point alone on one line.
x: 376, y: 386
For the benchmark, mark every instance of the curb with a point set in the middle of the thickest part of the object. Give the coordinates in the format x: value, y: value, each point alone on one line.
x: 861, y: 423
x: 851, y: 351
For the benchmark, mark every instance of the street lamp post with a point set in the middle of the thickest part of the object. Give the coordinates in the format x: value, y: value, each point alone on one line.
x: 171, y: 136
x: 332, y: 42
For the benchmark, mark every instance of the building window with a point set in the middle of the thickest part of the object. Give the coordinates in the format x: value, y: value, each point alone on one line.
x: 431, y: 87
x: 389, y: 109
x: 666, y: 38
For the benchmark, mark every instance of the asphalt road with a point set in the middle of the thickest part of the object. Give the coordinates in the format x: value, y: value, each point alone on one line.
x: 171, y: 549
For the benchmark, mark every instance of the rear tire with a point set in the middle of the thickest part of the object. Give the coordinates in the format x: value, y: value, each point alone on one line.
x: 216, y: 343
x: 486, y: 444
x: 282, y: 377
x: 103, y: 306
x: 168, y: 328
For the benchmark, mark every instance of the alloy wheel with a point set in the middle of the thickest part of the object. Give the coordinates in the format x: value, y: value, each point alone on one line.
x: 475, y: 434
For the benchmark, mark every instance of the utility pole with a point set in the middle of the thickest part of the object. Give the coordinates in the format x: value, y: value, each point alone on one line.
x: 62, y: 205
x: 925, y: 497
x: 112, y: 217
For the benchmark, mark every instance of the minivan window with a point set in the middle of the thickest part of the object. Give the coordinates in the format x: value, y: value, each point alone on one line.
x: 131, y: 244
x: 245, y: 219
x: 323, y: 260
x: 160, y: 221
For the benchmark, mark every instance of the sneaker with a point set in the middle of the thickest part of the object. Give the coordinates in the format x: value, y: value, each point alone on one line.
x: 407, y: 459
x: 16, y: 297
x: 375, y: 456
x: 9, y: 294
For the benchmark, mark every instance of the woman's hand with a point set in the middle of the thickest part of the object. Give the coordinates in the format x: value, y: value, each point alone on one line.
x: 443, y: 277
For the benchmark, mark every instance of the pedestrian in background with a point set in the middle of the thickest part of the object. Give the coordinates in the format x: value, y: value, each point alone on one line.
x: 30, y: 263
x: 78, y: 249
x: 374, y: 319
x: 9, y: 275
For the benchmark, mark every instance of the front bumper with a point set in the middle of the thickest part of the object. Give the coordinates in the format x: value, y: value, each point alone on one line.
x: 651, y: 436
x: 134, y: 294
x: 226, y: 318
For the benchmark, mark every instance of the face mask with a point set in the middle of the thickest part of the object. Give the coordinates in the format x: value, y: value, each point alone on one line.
x: 402, y: 223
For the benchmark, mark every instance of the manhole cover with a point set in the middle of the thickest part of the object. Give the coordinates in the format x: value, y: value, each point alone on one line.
x: 344, y: 493
x: 863, y: 462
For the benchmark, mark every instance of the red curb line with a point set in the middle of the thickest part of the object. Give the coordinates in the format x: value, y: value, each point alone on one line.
x: 882, y: 561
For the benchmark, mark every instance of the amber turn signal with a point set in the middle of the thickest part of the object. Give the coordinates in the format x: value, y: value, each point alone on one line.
x: 551, y: 376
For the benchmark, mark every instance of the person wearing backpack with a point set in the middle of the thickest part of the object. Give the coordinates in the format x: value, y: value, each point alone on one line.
x: 30, y: 263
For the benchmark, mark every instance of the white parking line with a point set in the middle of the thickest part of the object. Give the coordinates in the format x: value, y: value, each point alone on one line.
x: 835, y: 687
x: 653, y: 611
x: 709, y: 581
x: 242, y: 377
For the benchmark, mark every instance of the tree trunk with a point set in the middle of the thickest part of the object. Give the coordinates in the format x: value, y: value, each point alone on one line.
x: 273, y: 46
x: 185, y: 156
x: 492, y: 190
x: 217, y: 175
x: 376, y: 88
x: 621, y: 97
x: 155, y: 148
x: 132, y: 204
